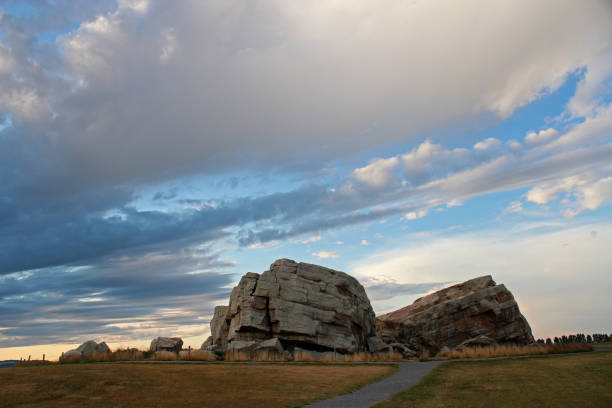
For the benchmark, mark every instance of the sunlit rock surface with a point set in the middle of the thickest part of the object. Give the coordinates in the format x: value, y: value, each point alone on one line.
x: 449, y: 317
x: 301, y: 305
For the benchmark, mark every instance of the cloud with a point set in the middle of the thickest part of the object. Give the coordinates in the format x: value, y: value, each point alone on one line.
x: 312, y: 239
x: 514, y: 207
x: 538, y: 267
x: 487, y: 144
x: 90, y: 91
x: 326, y: 254
x: 415, y: 215
x: 118, y: 298
x: 377, y: 174
x: 542, y: 136
x: 364, y: 242
x: 588, y: 193
x: 385, y: 294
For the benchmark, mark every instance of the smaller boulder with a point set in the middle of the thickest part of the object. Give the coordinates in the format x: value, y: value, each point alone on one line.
x: 91, y: 347
x: 403, y: 349
x: 174, y: 344
x: 70, y: 355
x: 273, y: 344
x: 480, y: 341
x: 376, y: 345
x: 242, y: 345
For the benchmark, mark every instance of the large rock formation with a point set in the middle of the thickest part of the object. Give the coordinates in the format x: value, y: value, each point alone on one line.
x: 90, y: 347
x: 301, y: 305
x: 174, y: 344
x: 473, y: 310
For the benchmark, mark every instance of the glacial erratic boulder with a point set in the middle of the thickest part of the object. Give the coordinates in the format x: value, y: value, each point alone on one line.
x: 300, y: 305
x: 174, y: 344
x: 477, y: 311
x: 88, y: 348
x: 70, y: 355
x: 91, y: 347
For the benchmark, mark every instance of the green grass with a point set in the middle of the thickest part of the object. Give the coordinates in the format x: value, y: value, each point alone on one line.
x: 607, y: 346
x: 181, y: 385
x: 576, y: 380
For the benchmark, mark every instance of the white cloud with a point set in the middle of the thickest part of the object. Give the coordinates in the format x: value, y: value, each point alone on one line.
x: 591, y: 196
x: 454, y: 203
x: 339, y: 243
x: 415, y: 215
x: 364, y: 242
x: 542, y: 136
x: 312, y: 239
x: 378, y: 174
x: 542, y: 270
x: 326, y: 254
x: 546, y: 192
x: 139, y: 6
x: 588, y: 193
x: 514, y: 207
x: 487, y: 144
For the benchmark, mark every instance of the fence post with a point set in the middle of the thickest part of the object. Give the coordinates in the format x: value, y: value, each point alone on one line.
x: 29, y: 358
x: 43, y: 357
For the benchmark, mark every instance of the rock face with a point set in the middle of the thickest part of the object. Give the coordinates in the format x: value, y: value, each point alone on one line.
x: 70, y: 355
x: 475, y: 310
x: 296, y: 305
x: 90, y: 347
x: 166, y: 344
x: 87, y: 349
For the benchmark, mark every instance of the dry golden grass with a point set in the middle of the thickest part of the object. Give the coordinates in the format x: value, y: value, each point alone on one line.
x: 197, y: 355
x: 164, y: 356
x: 348, y: 358
x: 118, y: 355
x: 180, y: 385
x: 306, y: 357
x: 510, y: 350
x: 261, y: 356
x: 572, y: 380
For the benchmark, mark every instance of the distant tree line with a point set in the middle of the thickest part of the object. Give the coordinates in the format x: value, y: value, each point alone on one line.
x: 578, y: 338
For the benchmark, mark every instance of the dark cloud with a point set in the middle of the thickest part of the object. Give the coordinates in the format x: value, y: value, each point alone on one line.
x: 159, y: 290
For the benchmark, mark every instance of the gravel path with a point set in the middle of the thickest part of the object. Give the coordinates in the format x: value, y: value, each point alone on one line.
x: 407, y: 375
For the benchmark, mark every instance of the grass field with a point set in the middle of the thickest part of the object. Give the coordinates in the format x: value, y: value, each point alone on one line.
x: 607, y: 346
x: 180, y: 385
x: 575, y: 380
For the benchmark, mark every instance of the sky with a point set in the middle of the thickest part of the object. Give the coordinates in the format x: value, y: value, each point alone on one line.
x: 151, y: 153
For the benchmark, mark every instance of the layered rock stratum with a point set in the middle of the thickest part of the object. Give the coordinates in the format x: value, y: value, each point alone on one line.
x: 296, y: 305
x: 475, y: 312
